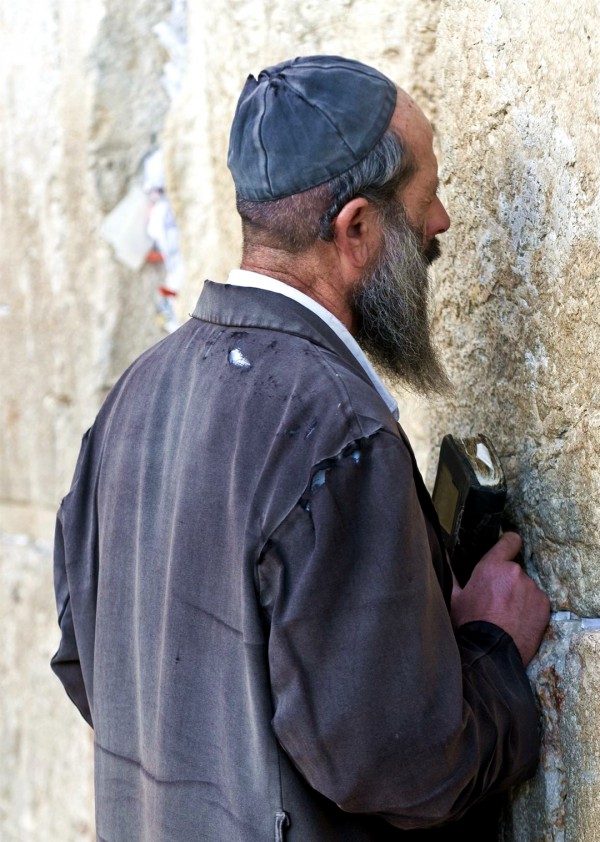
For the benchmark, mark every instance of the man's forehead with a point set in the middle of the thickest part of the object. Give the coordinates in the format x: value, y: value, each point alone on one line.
x: 409, y: 120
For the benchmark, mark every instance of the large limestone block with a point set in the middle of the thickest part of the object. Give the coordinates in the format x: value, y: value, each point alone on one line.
x: 81, y: 101
x: 562, y: 802
x: 46, y: 774
x: 517, y: 317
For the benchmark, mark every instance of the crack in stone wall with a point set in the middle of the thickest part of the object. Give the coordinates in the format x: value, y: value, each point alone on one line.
x: 562, y: 803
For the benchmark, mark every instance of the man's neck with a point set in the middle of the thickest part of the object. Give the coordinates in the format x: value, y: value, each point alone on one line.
x: 307, y: 272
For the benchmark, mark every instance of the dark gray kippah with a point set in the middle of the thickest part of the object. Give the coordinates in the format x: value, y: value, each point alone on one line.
x: 304, y: 122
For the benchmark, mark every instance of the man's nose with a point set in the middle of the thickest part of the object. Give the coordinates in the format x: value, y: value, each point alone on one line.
x: 438, y: 220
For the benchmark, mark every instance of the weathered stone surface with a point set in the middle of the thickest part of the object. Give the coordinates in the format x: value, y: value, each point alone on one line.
x: 81, y: 100
x: 562, y: 802
x: 46, y: 778
x: 517, y: 314
x: 581, y: 739
x: 517, y: 319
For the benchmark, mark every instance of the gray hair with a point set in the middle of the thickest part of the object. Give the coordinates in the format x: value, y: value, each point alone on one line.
x: 296, y: 222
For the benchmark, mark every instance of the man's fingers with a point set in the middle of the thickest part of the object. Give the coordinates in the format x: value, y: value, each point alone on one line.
x: 506, y: 548
x: 500, y: 592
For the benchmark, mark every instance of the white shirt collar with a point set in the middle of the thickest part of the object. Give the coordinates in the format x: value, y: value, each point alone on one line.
x: 245, y: 278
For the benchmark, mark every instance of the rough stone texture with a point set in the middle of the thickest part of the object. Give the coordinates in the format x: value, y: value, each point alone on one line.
x: 518, y: 307
x: 81, y: 100
x: 517, y: 319
x: 562, y: 803
x: 46, y: 777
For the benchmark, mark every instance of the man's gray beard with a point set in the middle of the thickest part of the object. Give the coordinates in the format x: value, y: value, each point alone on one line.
x: 392, y: 305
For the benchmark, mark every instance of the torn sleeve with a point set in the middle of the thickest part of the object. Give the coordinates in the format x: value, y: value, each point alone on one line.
x: 376, y: 701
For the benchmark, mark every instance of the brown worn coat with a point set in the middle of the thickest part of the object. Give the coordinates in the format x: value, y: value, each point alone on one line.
x: 254, y: 601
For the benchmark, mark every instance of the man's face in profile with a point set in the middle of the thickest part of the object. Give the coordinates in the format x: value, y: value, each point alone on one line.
x: 392, y: 299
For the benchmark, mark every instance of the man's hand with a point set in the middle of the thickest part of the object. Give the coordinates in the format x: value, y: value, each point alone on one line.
x: 500, y: 592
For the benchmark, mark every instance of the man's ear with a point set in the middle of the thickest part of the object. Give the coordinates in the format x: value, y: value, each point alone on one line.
x: 357, y: 233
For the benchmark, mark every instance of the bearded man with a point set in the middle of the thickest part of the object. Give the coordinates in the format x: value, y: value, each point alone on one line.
x: 258, y: 617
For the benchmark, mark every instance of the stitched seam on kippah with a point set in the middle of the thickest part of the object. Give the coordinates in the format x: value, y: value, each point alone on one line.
x: 375, y: 75
x: 260, y: 137
x: 320, y: 110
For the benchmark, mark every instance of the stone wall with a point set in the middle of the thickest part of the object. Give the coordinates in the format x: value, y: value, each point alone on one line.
x: 46, y: 789
x: 81, y: 101
x: 513, y: 92
x: 518, y: 101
